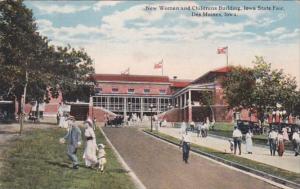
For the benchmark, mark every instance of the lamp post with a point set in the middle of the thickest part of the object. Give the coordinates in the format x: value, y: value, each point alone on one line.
x: 151, y: 107
x: 129, y: 108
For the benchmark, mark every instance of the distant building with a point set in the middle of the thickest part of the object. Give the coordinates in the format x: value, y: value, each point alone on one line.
x: 142, y: 95
x: 172, y: 99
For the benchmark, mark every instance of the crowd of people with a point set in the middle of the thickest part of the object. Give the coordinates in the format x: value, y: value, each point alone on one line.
x: 276, y: 139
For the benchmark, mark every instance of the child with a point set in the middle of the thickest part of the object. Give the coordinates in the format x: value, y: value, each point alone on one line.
x: 101, y: 157
x: 231, y: 145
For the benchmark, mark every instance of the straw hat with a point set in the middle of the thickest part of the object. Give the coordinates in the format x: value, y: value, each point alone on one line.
x: 89, y: 121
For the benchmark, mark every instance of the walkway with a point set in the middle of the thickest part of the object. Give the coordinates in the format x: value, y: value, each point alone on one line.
x: 288, y: 161
x: 159, y: 165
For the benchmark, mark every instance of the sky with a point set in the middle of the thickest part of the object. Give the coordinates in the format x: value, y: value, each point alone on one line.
x: 125, y: 34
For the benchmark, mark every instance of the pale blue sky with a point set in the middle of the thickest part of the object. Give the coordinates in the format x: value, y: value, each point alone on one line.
x: 122, y: 34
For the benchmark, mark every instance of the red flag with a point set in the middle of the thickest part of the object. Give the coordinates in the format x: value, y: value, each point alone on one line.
x: 158, y: 65
x: 222, y: 50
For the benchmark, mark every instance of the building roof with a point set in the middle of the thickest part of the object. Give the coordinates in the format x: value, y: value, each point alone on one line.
x: 225, y: 69
x: 213, y: 73
x: 180, y: 83
x: 131, y: 78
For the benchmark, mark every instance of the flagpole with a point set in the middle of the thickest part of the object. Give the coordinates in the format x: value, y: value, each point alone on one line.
x: 227, y: 56
x: 162, y: 67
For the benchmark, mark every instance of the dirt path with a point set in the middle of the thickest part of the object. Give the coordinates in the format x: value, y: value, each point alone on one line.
x: 160, y: 166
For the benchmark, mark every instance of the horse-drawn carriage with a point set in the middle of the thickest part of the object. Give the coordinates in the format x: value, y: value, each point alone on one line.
x: 117, y: 121
x: 244, y: 126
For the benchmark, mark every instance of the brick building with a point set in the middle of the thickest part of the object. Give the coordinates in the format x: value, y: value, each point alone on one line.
x: 172, y: 99
x: 144, y: 95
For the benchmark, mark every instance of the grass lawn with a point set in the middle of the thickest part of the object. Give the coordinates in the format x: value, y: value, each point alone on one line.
x: 37, y: 161
x: 246, y: 162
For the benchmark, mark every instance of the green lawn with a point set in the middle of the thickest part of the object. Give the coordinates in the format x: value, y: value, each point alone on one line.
x: 38, y: 161
x: 246, y: 162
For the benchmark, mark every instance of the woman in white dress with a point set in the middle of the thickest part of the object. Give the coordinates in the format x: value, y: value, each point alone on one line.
x: 249, y: 142
x: 89, y: 154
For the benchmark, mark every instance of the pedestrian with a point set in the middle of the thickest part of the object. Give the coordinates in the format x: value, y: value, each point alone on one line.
x: 101, y: 157
x: 185, y: 144
x: 231, y: 144
x: 203, y: 132
x: 237, y: 139
x: 272, y: 141
x: 183, y: 128
x: 199, y: 125
x: 73, y: 139
x: 192, y: 125
x: 285, y: 134
x: 94, y: 123
x: 89, y: 154
x: 296, y: 142
x: 280, y: 143
x: 249, y: 143
x: 206, y: 126
x: 62, y: 118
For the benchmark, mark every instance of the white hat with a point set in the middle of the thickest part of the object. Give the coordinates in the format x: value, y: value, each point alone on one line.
x: 101, y: 145
x: 89, y: 121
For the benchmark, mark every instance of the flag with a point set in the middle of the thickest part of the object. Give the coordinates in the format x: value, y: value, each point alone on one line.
x: 125, y: 72
x: 222, y: 50
x: 159, y: 65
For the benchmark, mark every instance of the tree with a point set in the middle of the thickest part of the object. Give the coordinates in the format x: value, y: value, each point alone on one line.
x: 238, y: 86
x: 73, y: 74
x: 260, y: 89
x: 30, y: 68
x: 272, y: 87
x: 19, y: 50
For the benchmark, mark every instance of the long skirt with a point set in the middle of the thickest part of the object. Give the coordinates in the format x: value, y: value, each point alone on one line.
x: 280, y: 147
x: 249, y: 145
x: 62, y: 121
x: 89, y: 154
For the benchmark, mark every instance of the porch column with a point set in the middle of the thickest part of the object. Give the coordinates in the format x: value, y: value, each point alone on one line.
x: 158, y: 106
x: 107, y: 103
x: 125, y: 109
x: 190, y: 106
x: 142, y: 109
x: 185, y: 105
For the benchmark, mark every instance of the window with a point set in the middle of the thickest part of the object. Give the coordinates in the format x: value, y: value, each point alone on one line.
x: 130, y: 90
x: 146, y: 91
x: 162, y: 91
x: 115, y: 89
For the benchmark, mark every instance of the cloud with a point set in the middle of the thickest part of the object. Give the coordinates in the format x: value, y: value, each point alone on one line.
x: 79, y: 34
x: 60, y: 9
x: 101, y: 4
x: 293, y: 34
x: 276, y: 31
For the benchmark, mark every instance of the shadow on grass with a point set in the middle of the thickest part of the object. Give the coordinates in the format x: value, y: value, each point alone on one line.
x: 60, y: 164
x: 117, y: 170
x: 8, y: 132
x: 41, y: 123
